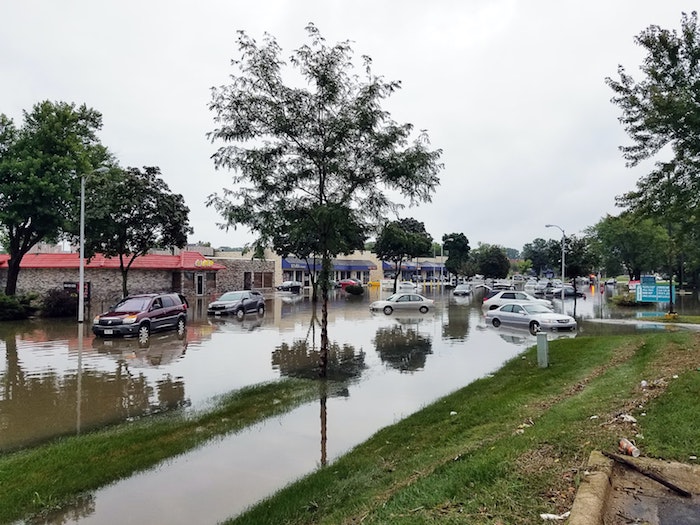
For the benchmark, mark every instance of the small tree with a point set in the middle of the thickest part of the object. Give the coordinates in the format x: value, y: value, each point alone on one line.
x: 402, y: 240
x: 491, y: 261
x: 131, y: 212
x: 318, y: 157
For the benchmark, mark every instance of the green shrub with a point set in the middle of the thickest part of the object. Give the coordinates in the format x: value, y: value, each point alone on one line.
x: 13, y: 307
x: 355, y: 289
x: 59, y: 303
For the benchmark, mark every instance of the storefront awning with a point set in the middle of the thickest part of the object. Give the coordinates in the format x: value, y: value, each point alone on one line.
x: 293, y: 263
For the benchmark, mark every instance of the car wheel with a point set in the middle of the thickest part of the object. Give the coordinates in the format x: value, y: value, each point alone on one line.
x: 180, y: 327
x: 388, y: 310
x: 240, y: 313
x: 423, y: 309
x: 534, y: 327
x: 144, y: 334
x: 496, y: 322
x: 261, y: 309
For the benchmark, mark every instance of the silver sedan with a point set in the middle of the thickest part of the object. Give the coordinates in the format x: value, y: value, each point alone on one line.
x: 534, y: 317
x: 403, y: 301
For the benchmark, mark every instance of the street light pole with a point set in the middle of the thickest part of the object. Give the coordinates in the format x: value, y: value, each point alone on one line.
x: 563, y: 266
x: 81, y: 271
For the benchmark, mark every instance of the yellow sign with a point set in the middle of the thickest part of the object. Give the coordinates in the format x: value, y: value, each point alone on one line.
x: 203, y: 263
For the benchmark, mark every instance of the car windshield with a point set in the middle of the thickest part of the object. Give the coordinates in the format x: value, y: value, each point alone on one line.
x: 133, y: 304
x: 536, y: 309
x: 231, y: 296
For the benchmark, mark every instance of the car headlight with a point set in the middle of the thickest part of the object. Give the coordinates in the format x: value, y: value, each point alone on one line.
x: 129, y: 319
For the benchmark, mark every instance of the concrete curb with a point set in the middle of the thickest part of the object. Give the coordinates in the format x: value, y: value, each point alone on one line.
x: 592, y: 494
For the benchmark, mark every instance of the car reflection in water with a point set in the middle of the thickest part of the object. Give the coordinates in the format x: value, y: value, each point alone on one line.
x: 160, y: 349
x: 249, y: 323
x: 523, y: 337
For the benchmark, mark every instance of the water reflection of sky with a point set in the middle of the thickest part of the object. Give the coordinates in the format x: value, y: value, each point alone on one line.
x: 402, y: 363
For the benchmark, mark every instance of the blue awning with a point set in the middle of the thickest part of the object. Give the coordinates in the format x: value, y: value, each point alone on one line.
x: 294, y: 263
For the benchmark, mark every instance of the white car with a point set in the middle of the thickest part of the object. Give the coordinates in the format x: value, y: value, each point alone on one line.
x: 403, y: 301
x: 511, y: 296
x: 534, y: 317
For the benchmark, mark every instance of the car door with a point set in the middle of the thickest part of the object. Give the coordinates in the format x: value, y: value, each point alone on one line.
x: 157, y: 314
x: 518, y: 316
x: 247, y: 302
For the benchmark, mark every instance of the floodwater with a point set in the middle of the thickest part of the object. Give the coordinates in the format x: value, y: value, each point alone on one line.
x: 58, y: 380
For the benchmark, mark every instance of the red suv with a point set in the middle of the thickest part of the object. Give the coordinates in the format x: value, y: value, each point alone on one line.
x: 142, y: 314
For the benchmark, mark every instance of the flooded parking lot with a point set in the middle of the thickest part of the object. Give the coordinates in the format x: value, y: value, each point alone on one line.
x: 56, y: 380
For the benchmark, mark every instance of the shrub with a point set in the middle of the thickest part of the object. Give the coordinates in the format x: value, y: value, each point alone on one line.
x: 59, y: 303
x: 12, y: 308
x: 355, y: 289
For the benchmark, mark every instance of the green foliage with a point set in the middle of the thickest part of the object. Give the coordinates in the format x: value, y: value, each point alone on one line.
x: 12, y: 308
x: 542, y: 254
x: 491, y: 261
x: 59, y: 303
x: 129, y: 212
x: 312, y: 165
x: 457, y: 247
x: 401, y: 240
x: 629, y: 242
x: 40, y: 164
x: 355, y: 289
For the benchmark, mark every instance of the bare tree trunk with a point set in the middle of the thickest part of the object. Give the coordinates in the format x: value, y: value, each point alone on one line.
x: 323, y: 357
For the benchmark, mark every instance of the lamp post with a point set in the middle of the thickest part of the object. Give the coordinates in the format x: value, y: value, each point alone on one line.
x: 563, y: 244
x: 81, y: 271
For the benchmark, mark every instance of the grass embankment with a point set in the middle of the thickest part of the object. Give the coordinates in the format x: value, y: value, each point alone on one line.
x: 46, y: 478
x: 513, y: 445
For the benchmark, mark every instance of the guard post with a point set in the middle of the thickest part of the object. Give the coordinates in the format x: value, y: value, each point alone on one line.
x: 542, y: 350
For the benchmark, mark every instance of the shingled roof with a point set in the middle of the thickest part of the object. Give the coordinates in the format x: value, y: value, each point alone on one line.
x: 190, y: 261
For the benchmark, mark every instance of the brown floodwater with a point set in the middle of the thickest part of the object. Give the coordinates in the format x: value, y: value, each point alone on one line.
x: 57, y: 379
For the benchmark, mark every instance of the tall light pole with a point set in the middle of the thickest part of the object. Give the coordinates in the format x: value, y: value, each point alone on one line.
x: 563, y: 244
x: 81, y: 271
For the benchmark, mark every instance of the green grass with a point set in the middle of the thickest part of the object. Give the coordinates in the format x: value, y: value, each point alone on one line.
x: 517, y: 445
x: 48, y: 477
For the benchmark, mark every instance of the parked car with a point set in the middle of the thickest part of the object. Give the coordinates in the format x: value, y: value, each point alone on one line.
x: 403, y: 301
x: 406, y: 286
x: 501, y: 297
x: 238, y: 303
x: 142, y: 314
x: 290, y: 286
x: 569, y: 291
x: 462, y: 289
x: 534, y: 317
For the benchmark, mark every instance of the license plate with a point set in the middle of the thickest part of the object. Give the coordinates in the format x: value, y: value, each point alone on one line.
x: 108, y: 331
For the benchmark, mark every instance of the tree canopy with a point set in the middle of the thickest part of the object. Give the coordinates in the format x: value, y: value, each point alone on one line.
x: 490, y: 260
x: 131, y: 212
x: 401, y: 240
x: 308, y: 153
x: 457, y: 246
x: 41, y: 163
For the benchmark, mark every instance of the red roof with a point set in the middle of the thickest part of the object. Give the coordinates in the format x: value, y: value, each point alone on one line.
x: 193, y: 261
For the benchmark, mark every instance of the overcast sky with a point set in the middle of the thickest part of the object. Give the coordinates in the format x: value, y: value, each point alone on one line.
x: 512, y: 91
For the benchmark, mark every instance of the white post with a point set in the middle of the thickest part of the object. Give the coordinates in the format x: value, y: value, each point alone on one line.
x: 81, y: 278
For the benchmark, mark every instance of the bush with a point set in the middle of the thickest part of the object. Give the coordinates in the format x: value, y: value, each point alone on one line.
x: 60, y: 303
x: 13, y: 307
x: 355, y: 289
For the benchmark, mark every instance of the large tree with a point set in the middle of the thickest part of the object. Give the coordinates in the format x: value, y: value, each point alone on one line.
x: 41, y: 163
x: 490, y: 260
x: 540, y: 253
x: 321, y: 143
x: 661, y: 114
x: 630, y: 243
x: 130, y: 212
x: 457, y: 246
x: 400, y: 241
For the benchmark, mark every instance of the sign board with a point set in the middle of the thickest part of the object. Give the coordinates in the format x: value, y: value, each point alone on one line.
x: 648, y: 280
x: 72, y: 288
x: 652, y: 293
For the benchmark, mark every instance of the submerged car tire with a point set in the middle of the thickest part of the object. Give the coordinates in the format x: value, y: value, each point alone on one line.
x: 240, y: 313
x: 423, y: 309
x: 261, y: 309
x: 181, y: 327
x: 496, y: 322
x: 534, y: 327
x: 388, y: 310
x: 144, y: 334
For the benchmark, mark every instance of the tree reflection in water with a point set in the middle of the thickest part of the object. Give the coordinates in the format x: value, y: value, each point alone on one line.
x: 402, y: 346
